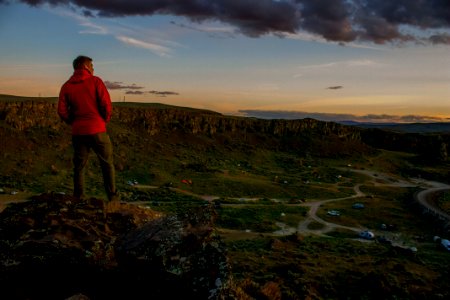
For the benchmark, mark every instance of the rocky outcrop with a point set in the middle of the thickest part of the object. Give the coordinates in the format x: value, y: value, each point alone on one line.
x: 161, y: 119
x: 34, y: 114
x: 154, y: 121
x: 23, y: 115
x: 55, y: 247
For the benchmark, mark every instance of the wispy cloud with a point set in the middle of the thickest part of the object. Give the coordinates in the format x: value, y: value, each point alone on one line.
x: 155, y: 48
x: 211, y: 30
x: 122, y: 34
x: 92, y: 28
x: 156, y: 93
x: 85, y: 22
x: 310, y: 37
x: 360, y: 63
x: 118, y: 85
x: 346, y: 63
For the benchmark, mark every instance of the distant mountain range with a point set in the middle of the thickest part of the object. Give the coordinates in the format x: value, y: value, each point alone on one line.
x: 409, y: 123
x: 441, y: 127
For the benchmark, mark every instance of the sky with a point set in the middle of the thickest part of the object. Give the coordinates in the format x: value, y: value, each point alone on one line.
x: 363, y: 60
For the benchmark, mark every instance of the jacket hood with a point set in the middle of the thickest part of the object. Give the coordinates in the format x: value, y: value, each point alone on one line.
x: 80, y: 75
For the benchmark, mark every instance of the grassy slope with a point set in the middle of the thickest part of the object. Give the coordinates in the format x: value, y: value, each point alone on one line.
x: 39, y: 160
x: 11, y: 98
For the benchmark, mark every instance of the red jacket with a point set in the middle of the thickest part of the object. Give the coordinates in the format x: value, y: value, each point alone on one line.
x: 84, y: 102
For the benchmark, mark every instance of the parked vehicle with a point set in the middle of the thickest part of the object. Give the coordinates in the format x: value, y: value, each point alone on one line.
x: 366, y: 234
x: 446, y: 244
x: 333, y: 213
x: 358, y: 206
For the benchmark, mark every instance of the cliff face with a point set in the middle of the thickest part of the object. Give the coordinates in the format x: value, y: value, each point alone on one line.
x: 154, y: 121
x: 29, y: 114
x: 32, y: 114
x: 322, y: 138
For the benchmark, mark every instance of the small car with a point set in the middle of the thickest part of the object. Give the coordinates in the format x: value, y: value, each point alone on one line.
x: 446, y: 244
x: 366, y: 234
x: 333, y: 213
x: 358, y: 206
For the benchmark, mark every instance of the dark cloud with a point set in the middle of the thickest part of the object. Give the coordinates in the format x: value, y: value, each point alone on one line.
x: 370, y: 118
x: 443, y: 38
x: 117, y: 85
x: 336, y: 87
x: 157, y: 93
x: 133, y: 89
x: 379, y: 21
x: 134, y: 93
x: 163, y: 94
x: 330, y: 19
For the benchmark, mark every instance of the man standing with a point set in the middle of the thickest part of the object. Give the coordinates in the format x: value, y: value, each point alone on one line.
x: 84, y: 103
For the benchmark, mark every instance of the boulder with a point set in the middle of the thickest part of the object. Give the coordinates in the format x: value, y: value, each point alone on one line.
x: 55, y: 247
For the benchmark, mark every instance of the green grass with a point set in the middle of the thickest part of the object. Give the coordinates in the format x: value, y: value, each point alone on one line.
x: 12, y: 98
x: 334, y: 268
x: 235, y: 165
x: 259, y: 218
x: 161, y: 107
x: 387, y: 205
x: 443, y: 201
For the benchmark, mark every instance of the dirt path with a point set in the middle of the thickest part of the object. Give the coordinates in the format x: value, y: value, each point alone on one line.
x: 423, y: 197
x: 378, y: 179
x: 327, y: 226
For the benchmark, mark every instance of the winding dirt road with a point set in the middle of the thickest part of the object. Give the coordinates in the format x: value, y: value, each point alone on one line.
x: 303, y: 227
x: 423, y: 197
x: 378, y: 179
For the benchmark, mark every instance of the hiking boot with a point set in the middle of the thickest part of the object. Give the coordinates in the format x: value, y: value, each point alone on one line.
x: 114, y: 198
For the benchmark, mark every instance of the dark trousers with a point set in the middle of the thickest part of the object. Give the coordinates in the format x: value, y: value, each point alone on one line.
x: 100, y: 143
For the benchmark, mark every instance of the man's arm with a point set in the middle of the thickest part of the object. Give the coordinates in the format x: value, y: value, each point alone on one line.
x: 64, y: 108
x: 104, y: 101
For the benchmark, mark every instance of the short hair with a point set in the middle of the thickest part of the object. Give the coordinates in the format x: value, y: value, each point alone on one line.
x: 80, y: 61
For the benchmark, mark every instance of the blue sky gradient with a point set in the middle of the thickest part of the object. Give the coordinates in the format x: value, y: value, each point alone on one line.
x: 224, y: 62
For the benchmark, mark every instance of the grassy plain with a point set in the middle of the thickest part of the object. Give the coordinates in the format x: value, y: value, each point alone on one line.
x: 301, y: 266
x: 259, y: 190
